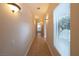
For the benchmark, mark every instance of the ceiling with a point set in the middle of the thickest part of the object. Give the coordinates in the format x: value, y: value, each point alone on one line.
x: 38, y: 9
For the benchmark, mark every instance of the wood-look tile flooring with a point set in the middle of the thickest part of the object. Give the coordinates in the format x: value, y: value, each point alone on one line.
x: 39, y: 47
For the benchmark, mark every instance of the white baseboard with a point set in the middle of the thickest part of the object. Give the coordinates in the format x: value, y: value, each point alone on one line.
x: 50, y: 49
x: 29, y: 46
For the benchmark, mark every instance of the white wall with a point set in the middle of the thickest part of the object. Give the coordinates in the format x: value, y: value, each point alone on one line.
x: 16, y: 30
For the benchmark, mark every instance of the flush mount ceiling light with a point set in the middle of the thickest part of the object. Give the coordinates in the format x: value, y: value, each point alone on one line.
x: 38, y: 8
x: 14, y: 7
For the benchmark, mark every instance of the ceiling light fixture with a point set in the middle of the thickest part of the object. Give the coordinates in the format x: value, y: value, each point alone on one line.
x: 14, y: 7
x: 38, y: 8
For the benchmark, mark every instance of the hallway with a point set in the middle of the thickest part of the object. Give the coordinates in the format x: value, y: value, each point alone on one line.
x: 39, y: 47
x: 20, y: 23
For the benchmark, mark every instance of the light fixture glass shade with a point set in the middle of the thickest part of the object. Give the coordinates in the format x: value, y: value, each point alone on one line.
x: 14, y: 7
x: 47, y: 21
x: 47, y: 16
